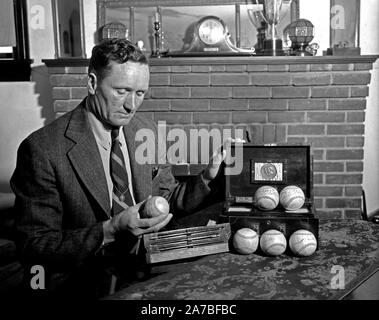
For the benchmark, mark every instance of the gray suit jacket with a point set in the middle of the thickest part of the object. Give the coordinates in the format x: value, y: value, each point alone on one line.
x: 61, y: 190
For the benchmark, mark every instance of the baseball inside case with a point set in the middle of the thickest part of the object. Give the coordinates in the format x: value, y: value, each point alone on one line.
x: 277, y: 166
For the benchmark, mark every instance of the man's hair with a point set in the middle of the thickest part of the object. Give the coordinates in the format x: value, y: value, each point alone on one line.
x: 118, y: 50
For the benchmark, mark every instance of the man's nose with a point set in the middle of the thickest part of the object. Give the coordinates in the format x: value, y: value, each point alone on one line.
x: 130, y: 101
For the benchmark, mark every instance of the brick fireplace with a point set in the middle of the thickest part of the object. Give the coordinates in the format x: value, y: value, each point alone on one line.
x: 319, y: 101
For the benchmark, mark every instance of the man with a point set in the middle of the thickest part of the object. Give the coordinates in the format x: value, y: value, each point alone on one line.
x: 72, y: 209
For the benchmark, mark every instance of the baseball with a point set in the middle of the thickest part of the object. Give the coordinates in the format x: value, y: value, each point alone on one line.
x: 266, y: 198
x: 154, y: 207
x: 273, y: 242
x: 303, y: 243
x: 245, y: 241
x: 292, y: 198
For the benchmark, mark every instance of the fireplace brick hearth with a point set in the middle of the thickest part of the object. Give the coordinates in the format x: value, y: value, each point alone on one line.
x: 320, y: 101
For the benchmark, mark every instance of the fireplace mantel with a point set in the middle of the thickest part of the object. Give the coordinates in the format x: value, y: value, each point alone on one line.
x: 320, y: 101
x: 259, y: 60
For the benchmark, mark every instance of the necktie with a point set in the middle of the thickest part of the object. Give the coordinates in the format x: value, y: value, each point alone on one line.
x: 121, y: 197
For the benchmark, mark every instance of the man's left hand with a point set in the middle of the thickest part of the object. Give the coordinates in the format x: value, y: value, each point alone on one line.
x: 218, y: 157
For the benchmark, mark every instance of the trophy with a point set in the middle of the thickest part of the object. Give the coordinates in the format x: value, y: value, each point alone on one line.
x: 270, y: 14
x: 260, y: 25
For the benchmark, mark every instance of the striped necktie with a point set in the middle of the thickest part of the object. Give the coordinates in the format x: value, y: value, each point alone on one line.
x: 121, y: 194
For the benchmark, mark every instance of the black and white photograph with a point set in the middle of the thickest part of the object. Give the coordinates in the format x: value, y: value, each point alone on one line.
x: 183, y: 157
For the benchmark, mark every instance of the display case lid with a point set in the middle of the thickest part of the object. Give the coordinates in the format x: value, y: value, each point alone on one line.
x: 273, y: 165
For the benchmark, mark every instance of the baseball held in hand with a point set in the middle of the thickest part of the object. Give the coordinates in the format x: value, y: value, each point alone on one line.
x: 273, y: 242
x: 292, y: 198
x: 266, y: 198
x: 303, y: 243
x: 245, y: 241
x: 154, y: 207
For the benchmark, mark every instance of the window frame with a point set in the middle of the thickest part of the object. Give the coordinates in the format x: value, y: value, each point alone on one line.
x: 18, y: 67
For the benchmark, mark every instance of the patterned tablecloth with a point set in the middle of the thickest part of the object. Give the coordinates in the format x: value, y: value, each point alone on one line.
x: 348, y: 249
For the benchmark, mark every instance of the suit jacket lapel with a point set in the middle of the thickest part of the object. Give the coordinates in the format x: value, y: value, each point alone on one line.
x: 85, y: 158
x: 141, y: 174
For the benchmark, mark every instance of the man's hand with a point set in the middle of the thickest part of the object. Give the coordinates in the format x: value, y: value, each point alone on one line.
x: 130, y: 220
x: 217, y: 158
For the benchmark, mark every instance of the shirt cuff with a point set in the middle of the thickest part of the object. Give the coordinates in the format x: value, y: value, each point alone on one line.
x: 205, y: 182
x: 107, y: 231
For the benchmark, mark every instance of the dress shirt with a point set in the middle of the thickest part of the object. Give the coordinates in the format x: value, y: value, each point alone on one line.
x: 104, y: 143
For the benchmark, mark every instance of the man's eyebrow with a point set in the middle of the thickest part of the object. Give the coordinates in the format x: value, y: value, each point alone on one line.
x: 122, y: 87
x: 129, y: 88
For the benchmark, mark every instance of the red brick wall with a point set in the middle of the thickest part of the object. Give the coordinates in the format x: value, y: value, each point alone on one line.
x: 319, y: 101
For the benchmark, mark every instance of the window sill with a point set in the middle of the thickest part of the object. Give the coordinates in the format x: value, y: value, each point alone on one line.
x: 15, y: 70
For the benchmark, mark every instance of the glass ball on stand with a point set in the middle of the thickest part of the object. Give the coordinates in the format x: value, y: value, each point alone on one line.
x: 301, y: 32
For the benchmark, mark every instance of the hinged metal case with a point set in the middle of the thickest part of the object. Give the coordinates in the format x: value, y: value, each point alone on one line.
x: 185, y: 243
x: 274, y: 165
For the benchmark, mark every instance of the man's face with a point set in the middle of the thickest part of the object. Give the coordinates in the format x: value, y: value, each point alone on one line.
x: 116, y: 97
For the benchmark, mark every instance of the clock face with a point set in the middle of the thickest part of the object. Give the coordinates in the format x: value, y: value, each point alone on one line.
x: 211, y: 31
x: 211, y: 37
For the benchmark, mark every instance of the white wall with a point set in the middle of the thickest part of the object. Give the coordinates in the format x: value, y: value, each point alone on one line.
x: 370, y: 45
x: 20, y: 115
x: 318, y: 13
x: 90, y: 18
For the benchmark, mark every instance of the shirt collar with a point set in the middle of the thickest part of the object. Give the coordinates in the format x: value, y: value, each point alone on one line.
x: 102, y: 134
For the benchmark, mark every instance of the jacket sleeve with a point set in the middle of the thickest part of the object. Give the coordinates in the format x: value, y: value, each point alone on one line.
x: 184, y: 197
x: 39, y: 213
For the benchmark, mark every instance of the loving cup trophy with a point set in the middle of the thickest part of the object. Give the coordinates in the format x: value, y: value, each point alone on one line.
x: 270, y: 15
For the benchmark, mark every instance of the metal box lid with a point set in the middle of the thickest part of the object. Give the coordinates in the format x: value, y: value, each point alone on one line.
x: 274, y: 165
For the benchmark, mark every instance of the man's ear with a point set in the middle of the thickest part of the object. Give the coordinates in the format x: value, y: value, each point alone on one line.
x: 92, y: 83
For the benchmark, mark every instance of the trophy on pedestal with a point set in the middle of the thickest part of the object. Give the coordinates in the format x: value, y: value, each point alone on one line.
x: 261, y: 27
x: 271, y: 14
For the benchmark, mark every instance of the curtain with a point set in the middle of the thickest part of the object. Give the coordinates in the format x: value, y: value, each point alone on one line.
x: 344, y: 23
x: 7, y: 24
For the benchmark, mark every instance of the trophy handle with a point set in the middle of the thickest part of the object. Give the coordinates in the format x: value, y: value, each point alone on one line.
x: 255, y: 18
x: 258, y: 13
x: 271, y: 9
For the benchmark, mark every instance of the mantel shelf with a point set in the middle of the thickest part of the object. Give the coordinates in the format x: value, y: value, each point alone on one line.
x: 259, y: 60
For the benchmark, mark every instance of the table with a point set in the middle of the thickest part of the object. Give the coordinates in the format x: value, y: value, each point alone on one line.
x: 348, y: 250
